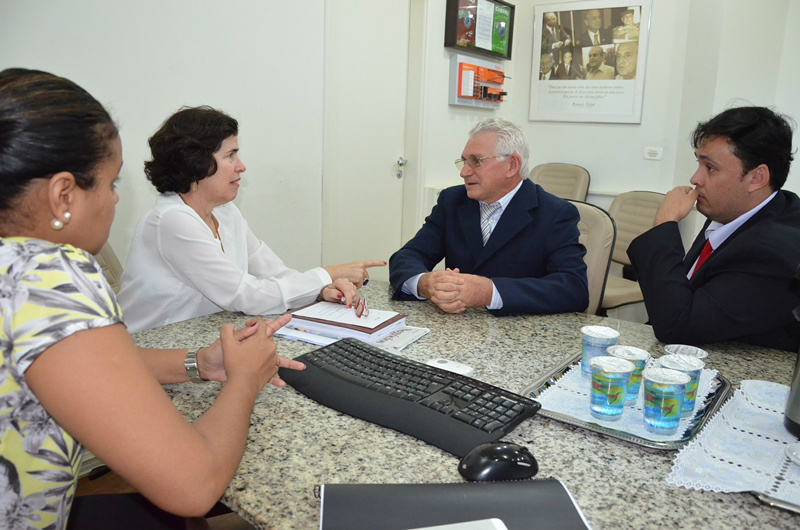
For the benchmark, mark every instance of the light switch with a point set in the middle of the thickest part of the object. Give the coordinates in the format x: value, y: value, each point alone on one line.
x: 653, y: 153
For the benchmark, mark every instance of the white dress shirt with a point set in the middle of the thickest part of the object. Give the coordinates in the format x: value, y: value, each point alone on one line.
x: 410, y: 285
x: 177, y: 270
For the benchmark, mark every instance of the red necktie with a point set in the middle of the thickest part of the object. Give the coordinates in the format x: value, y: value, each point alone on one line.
x: 704, y: 254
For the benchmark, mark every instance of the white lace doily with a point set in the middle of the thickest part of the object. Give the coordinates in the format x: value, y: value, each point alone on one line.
x: 570, y: 396
x: 742, y: 447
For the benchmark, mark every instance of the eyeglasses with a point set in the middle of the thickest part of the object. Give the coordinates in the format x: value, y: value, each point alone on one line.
x: 473, y: 161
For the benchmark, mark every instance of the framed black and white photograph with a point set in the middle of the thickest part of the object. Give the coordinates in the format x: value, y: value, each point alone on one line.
x: 589, y: 61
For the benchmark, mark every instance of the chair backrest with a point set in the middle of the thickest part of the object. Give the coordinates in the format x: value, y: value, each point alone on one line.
x: 112, y: 268
x: 567, y: 181
x: 597, y: 235
x: 634, y: 213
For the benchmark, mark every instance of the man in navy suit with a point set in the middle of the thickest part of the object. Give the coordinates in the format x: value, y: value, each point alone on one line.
x: 736, y: 280
x: 521, y: 255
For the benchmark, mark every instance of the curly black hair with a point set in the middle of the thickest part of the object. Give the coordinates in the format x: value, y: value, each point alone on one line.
x: 183, y: 147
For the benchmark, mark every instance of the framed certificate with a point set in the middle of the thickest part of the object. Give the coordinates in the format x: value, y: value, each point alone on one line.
x: 589, y: 61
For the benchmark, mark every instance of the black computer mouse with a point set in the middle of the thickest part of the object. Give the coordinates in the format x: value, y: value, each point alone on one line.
x: 498, y: 461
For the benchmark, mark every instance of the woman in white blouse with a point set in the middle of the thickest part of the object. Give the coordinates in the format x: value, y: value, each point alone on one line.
x: 193, y: 253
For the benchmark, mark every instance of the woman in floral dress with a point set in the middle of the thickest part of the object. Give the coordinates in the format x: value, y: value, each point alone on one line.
x: 71, y: 376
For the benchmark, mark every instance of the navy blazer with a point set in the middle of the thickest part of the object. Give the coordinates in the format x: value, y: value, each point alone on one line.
x: 744, y: 291
x: 533, y: 256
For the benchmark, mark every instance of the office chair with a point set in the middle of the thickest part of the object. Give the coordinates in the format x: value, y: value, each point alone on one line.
x: 567, y: 181
x: 112, y: 268
x: 598, y: 234
x: 634, y: 213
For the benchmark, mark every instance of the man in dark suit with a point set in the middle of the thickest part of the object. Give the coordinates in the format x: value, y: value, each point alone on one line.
x: 595, y: 34
x: 566, y: 69
x: 736, y: 280
x: 554, y: 36
x: 508, y: 245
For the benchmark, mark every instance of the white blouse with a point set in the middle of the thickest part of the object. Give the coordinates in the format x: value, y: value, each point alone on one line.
x: 177, y: 270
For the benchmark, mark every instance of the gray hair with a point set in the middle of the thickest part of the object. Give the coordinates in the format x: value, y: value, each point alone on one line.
x: 510, y: 139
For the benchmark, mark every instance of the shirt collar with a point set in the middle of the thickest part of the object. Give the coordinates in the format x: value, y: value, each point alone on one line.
x: 717, y: 233
x: 505, y: 199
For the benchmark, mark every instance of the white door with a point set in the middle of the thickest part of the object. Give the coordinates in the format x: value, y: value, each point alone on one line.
x: 366, y: 64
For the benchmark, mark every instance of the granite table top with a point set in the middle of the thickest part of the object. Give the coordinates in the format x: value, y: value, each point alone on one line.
x: 296, y: 444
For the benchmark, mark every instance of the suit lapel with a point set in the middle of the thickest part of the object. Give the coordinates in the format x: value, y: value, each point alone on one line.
x: 516, y: 217
x: 697, y: 246
x: 772, y: 208
x: 469, y: 219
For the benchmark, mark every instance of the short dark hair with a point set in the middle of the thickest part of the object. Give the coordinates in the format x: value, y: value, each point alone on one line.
x: 48, y: 124
x: 183, y: 147
x: 758, y: 136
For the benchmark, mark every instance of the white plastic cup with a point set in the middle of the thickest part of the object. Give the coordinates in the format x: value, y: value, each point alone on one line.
x: 685, y: 349
x: 691, y: 366
x: 664, y: 391
x: 639, y: 358
x: 595, y: 340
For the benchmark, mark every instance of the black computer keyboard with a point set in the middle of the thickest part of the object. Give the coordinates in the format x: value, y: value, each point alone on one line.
x: 448, y: 410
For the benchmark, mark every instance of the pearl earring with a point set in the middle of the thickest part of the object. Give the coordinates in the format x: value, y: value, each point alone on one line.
x: 57, y: 225
x: 193, y: 186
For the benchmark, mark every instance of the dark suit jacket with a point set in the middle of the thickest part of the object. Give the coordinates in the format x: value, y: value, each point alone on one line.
x: 533, y: 255
x: 585, y: 40
x: 744, y: 290
x: 548, y: 40
x: 552, y: 74
x: 574, y: 73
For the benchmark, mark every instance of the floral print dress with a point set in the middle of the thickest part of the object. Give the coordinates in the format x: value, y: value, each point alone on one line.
x: 47, y: 293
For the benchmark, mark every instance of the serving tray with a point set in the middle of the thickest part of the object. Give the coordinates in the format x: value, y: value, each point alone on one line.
x: 776, y: 503
x: 720, y: 390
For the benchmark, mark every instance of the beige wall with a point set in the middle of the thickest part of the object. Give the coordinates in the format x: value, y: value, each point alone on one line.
x: 259, y: 60
x: 263, y: 62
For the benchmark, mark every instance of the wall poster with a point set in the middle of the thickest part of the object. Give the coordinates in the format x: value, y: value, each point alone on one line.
x: 589, y: 61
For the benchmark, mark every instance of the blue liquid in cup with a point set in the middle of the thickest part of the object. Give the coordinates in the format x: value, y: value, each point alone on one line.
x: 636, y: 381
x: 663, y: 401
x: 639, y: 359
x: 690, y: 398
x: 609, y: 387
x: 691, y: 366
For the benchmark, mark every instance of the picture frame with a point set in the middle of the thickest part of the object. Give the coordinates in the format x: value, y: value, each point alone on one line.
x: 484, y: 27
x: 589, y: 61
